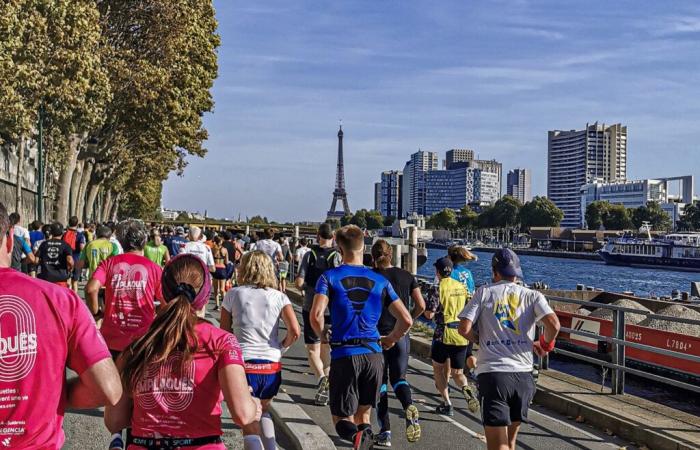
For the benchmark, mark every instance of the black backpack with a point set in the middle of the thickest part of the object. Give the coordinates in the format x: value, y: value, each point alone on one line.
x: 17, y: 253
x: 320, y: 260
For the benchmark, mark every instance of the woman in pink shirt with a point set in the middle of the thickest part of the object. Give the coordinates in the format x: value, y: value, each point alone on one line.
x: 174, y: 375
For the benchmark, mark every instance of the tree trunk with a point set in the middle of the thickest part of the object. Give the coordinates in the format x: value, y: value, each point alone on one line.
x: 20, y: 172
x: 88, y: 167
x: 92, y: 191
x: 115, y: 207
x: 75, y: 183
x: 106, y: 207
x: 64, y: 180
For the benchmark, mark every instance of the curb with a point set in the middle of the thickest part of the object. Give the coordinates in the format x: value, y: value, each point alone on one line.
x: 301, y: 430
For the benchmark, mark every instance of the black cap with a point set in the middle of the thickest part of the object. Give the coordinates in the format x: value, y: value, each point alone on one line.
x: 507, y: 263
x: 444, y: 266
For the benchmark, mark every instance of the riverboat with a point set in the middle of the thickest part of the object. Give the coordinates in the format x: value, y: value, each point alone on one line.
x: 677, y: 251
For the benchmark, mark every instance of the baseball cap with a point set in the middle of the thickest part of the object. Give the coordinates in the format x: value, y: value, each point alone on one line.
x: 444, y: 266
x: 507, y: 263
x: 179, y: 230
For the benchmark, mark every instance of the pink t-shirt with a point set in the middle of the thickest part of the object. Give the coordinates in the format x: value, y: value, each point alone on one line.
x: 132, y: 283
x: 168, y: 403
x: 43, y: 329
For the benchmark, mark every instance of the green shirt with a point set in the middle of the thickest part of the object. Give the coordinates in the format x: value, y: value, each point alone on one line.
x: 97, y: 251
x: 155, y: 254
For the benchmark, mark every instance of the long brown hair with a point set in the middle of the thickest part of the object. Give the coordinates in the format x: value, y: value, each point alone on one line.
x: 172, y: 330
x: 381, y: 254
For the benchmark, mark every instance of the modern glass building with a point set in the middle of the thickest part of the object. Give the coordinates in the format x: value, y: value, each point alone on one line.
x: 390, y: 200
x: 461, y: 185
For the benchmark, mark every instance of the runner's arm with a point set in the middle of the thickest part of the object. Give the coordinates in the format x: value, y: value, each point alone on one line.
x: 166, y: 257
x: 316, y: 314
x: 92, y: 290
x: 97, y: 386
x: 70, y: 263
x: 551, y: 330
x: 118, y: 416
x: 418, y: 303
x: 303, y: 267
x: 403, y: 324
x: 245, y: 410
x: 469, y: 315
x: 290, y: 321
x: 225, y: 320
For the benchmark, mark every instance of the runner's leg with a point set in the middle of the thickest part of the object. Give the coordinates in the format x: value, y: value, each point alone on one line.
x: 267, y: 427
x: 497, y: 438
x: 513, y: 434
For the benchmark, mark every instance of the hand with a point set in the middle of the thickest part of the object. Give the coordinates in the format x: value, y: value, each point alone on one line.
x: 386, y: 342
x: 258, y: 410
x: 326, y: 337
x: 539, y: 351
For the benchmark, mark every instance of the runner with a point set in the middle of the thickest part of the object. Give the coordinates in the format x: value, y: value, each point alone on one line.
x: 76, y: 241
x: 284, y: 264
x: 36, y: 236
x: 197, y: 247
x: 301, y: 251
x: 449, y: 349
x: 58, y: 334
x: 132, y: 284
x: 155, y: 250
x: 252, y: 312
x: 177, y: 242
x: 18, y: 229
x: 505, y: 314
x: 113, y: 239
x: 197, y: 360
x: 270, y: 247
x: 396, y: 358
x: 355, y: 296
x: 320, y: 258
x: 221, y: 274
x: 55, y: 258
x: 98, y: 250
x: 460, y: 256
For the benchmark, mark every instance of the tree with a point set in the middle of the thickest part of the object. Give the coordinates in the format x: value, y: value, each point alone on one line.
x: 374, y: 219
x: 486, y: 218
x: 345, y: 220
x: 443, y: 220
x: 334, y: 223
x: 467, y: 218
x: 505, y: 211
x: 652, y: 213
x: 618, y: 218
x: 389, y: 221
x: 359, y: 219
x: 257, y: 220
x: 690, y: 221
x: 596, y: 213
x: 540, y: 212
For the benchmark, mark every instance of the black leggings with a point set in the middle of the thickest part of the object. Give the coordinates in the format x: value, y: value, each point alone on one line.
x: 395, y: 368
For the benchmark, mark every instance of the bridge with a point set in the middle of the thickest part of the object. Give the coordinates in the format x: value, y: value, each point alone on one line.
x: 568, y: 413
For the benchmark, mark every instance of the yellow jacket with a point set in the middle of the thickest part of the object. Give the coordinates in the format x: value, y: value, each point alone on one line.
x: 453, y: 297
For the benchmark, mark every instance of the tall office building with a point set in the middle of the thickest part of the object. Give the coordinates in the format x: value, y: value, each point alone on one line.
x: 378, y: 196
x: 519, y: 185
x: 414, y: 180
x: 464, y: 155
x: 390, y: 194
x: 458, y: 155
x: 579, y: 157
x: 458, y: 186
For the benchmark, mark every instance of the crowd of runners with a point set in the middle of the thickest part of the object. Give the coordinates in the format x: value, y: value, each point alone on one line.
x: 142, y: 347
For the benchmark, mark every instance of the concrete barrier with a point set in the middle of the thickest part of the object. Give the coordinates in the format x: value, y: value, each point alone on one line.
x: 300, y: 429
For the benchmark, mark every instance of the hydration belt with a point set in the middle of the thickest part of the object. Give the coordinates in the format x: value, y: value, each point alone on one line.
x: 269, y: 368
x: 172, y: 443
x: 358, y: 342
x: 452, y: 325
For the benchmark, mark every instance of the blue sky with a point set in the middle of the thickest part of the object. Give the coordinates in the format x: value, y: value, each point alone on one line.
x: 493, y: 76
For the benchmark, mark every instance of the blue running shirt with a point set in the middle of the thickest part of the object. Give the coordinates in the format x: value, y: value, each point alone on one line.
x: 356, y: 296
x: 464, y: 276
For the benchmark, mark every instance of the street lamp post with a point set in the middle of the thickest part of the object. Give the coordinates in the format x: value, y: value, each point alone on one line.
x: 40, y: 187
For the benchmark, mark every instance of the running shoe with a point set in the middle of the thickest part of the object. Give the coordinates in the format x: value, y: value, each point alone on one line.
x: 117, y: 444
x: 364, y: 440
x: 322, y: 392
x: 412, y: 424
x: 470, y: 397
x: 383, y: 439
x: 445, y: 410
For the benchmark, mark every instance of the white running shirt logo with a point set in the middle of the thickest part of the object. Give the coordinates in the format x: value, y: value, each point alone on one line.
x: 168, y: 385
x: 18, y: 340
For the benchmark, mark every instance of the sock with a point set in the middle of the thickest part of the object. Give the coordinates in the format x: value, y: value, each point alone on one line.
x: 447, y: 402
x: 252, y: 442
x: 403, y: 393
x: 383, y: 409
x: 268, y: 432
x: 116, y: 435
x: 364, y: 426
x: 346, y: 430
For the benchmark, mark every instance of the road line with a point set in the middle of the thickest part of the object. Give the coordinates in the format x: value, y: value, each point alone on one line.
x: 452, y: 421
x: 579, y: 430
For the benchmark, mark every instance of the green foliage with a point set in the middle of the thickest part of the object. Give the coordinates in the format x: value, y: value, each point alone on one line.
x: 540, y: 212
x: 691, y: 217
x: 505, y: 212
x: 359, y: 218
x: 652, y: 213
x: 335, y: 223
x: 467, y: 219
x: 345, y: 220
x: 389, y: 221
x: 257, y: 220
x: 374, y: 219
x: 596, y: 212
x: 618, y: 218
x: 443, y: 220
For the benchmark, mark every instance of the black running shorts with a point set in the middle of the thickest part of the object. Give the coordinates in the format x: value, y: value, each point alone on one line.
x: 355, y: 380
x: 457, y: 354
x: 505, y: 397
x: 309, y: 333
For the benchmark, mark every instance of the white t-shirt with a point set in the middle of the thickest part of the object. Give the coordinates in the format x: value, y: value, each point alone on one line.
x: 269, y: 247
x: 299, y: 254
x: 505, y: 315
x: 116, y: 242
x: 255, y: 315
x: 22, y: 232
x: 201, y: 250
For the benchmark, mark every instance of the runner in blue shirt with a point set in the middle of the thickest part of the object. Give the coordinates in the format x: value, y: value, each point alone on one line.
x: 355, y: 296
x: 460, y: 256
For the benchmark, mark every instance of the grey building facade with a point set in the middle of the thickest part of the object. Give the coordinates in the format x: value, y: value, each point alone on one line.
x: 519, y: 184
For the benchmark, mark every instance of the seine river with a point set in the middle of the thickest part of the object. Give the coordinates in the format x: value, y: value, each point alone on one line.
x: 560, y: 273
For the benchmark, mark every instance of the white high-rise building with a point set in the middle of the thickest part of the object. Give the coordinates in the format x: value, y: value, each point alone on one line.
x: 519, y: 185
x: 377, y: 196
x: 414, y: 180
x: 579, y: 157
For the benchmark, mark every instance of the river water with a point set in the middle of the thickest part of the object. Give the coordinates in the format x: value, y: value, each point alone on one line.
x: 561, y: 273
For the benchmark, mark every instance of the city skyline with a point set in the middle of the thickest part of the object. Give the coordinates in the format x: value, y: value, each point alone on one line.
x: 495, y: 79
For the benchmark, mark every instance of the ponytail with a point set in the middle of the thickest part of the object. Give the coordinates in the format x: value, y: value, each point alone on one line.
x: 172, y: 330
x: 381, y: 254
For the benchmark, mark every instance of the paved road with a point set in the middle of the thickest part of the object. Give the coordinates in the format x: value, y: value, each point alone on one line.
x: 547, y: 430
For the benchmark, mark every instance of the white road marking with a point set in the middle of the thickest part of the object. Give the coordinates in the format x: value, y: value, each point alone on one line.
x: 454, y: 422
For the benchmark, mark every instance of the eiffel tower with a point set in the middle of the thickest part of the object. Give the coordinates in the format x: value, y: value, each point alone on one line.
x: 339, y: 193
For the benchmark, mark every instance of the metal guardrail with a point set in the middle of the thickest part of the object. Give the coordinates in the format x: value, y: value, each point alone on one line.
x: 619, y: 344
